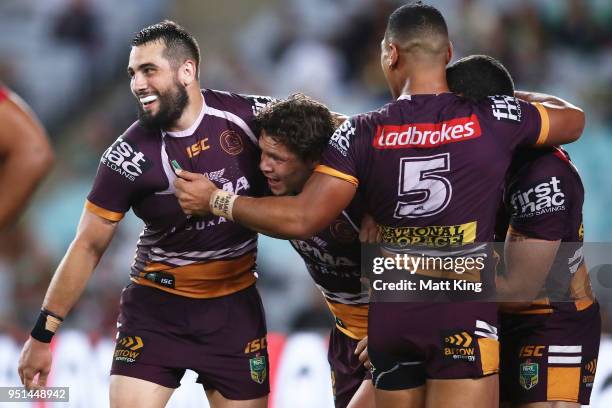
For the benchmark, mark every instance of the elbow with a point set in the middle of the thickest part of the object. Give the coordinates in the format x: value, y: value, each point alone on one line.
x: 41, y: 160
x: 302, y: 227
x: 579, y: 124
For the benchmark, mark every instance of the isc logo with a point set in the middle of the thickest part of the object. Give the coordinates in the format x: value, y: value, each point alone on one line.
x: 123, y: 158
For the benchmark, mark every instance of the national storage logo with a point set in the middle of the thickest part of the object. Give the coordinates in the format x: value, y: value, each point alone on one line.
x: 432, y: 235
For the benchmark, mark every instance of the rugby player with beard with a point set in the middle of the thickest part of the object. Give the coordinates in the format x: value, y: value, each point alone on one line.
x: 192, y: 301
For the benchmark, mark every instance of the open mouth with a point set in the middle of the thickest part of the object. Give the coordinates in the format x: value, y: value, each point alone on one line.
x: 148, y: 100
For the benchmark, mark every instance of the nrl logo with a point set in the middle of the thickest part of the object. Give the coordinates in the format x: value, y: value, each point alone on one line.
x: 528, y: 375
x: 258, y: 369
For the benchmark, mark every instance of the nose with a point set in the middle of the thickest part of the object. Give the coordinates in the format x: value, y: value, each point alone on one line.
x: 264, y: 165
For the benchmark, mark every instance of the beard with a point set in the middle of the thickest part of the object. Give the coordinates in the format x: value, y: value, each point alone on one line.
x: 172, y: 103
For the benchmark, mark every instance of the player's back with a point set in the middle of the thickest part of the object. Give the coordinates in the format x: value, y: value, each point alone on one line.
x: 432, y: 167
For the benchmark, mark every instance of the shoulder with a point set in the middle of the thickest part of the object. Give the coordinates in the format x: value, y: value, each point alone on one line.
x: 236, y: 103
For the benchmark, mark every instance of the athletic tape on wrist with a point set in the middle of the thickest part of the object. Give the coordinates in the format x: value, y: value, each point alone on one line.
x: 46, y: 326
x: 222, y: 203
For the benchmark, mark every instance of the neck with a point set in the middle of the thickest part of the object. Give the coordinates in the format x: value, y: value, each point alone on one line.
x: 191, y: 112
x: 423, y: 79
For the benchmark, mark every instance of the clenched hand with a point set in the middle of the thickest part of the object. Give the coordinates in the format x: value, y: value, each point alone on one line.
x: 193, y: 191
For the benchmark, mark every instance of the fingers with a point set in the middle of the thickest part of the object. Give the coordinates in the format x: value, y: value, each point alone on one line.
x: 187, y: 175
x: 363, y: 343
x: 42, y: 378
x: 28, y: 379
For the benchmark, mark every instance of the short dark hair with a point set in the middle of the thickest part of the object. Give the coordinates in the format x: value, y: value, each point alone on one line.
x: 180, y: 45
x: 478, y: 76
x: 415, y: 21
x: 300, y: 123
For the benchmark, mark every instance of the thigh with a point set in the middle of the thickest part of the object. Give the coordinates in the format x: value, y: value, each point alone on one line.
x: 217, y: 400
x: 127, y: 392
x: 233, y: 360
x: 460, y: 393
x: 348, y: 373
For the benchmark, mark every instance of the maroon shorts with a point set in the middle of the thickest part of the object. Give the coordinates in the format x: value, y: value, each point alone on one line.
x: 347, y: 371
x: 549, y: 357
x: 222, y: 339
x: 411, y: 342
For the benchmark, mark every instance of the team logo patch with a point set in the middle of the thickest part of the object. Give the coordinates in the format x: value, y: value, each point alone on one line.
x: 231, y: 142
x: 528, y: 374
x: 259, y: 370
x: 343, y: 231
x: 128, y: 349
x: 124, y: 158
x: 458, y: 345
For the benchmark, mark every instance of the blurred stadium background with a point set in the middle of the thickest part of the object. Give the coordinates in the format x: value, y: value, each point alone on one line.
x: 67, y: 58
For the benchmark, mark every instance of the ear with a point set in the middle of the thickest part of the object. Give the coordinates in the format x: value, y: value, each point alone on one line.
x: 187, y: 72
x: 449, y: 52
x: 392, y: 56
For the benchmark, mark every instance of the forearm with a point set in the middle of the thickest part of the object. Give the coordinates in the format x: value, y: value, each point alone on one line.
x: 70, y: 278
x: 546, y: 99
x: 279, y: 217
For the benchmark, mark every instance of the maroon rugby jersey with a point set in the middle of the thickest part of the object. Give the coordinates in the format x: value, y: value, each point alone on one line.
x: 185, y: 255
x: 432, y: 167
x: 544, y: 197
x: 333, y: 259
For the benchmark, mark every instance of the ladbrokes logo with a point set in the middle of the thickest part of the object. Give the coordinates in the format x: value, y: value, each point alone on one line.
x: 423, y: 135
x: 433, y: 235
x: 124, y: 158
x: 543, y: 198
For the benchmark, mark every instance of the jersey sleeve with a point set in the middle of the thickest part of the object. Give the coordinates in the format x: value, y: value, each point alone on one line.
x: 115, y: 184
x: 341, y: 156
x: 525, y: 124
x: 541, y: 202
x: 251, y: 106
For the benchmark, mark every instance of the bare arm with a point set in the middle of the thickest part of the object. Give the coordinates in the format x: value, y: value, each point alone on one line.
x: 93, y: 235
x: 302, y: 216
x: 566, y: 120
x: 92, y: 238
x: 298, y: 217
x: 528, y: 262
x: 26, y: 156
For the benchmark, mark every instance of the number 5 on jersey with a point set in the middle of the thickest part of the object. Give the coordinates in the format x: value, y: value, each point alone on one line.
x: 422, y: 191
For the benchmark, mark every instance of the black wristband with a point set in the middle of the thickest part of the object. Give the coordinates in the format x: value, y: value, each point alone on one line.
x: 46, y: 326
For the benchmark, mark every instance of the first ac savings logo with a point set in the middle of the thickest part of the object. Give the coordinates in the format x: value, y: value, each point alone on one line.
x: 124, y: 158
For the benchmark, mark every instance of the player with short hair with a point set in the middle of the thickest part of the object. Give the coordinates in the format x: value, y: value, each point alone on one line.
x: 293, y: 134
x: 431, y: 168
x: 192, y: 303
x: 549, y: 348
x: 27, y: 156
